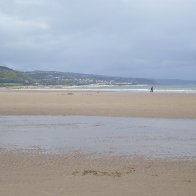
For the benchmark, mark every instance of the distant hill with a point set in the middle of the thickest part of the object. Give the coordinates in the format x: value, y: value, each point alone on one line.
x: 3, y: 68
x: 10, y: 77
x: 66, y: 78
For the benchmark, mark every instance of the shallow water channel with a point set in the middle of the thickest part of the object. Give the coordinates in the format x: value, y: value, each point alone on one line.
x: 150, y: 137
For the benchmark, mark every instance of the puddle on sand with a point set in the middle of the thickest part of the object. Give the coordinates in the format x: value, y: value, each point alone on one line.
x: 148, y: 137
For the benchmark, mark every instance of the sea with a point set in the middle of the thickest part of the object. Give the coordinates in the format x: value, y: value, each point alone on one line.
x: 118, y: 88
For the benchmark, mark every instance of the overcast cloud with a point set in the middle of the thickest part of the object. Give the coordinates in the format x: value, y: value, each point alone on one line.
x: 136, y: 38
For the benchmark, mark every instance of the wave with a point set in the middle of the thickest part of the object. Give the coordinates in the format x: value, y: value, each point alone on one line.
x: 113, y: 88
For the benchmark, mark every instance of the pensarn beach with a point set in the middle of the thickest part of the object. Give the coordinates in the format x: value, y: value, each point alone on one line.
x: 97, y: 143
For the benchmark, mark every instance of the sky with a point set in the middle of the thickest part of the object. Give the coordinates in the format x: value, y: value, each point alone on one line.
x: 131, y: 38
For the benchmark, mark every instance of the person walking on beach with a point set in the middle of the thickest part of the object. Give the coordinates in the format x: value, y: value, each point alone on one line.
x: 151, y: 89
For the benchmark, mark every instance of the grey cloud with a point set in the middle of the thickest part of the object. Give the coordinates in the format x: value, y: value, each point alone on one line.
x: 138, y: 38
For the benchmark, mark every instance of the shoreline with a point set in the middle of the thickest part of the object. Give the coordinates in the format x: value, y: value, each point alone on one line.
x: 173, y: 89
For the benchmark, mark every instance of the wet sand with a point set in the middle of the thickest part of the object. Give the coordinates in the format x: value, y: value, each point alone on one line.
x: 36, y: 173
x: 83, y: 175
x: 32, y: 171
x: 161, y: 105
x: 148, y: 137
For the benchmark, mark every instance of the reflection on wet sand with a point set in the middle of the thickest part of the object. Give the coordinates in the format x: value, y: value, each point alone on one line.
x: 166, y: 138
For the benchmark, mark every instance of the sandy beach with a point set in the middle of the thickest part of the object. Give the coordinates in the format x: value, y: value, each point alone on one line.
x: 76, y: 174
x: 37, y: 173
x: 100, y: 103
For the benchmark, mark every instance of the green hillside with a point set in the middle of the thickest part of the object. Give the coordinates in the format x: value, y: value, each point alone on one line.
x: 10, y: 77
